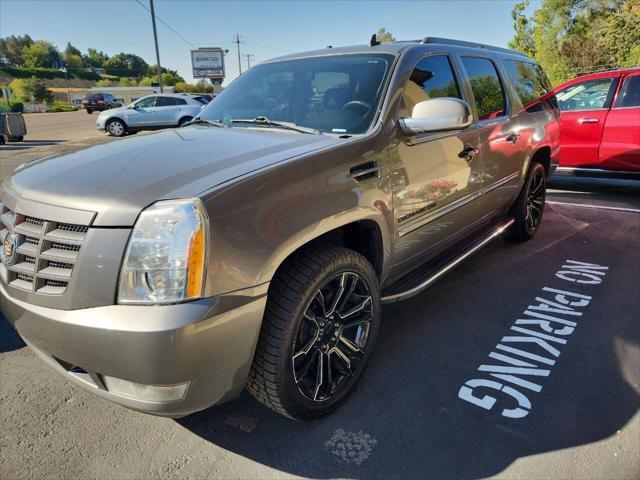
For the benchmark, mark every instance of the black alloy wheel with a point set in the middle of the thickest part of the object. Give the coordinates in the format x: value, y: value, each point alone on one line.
x: 332, y: 337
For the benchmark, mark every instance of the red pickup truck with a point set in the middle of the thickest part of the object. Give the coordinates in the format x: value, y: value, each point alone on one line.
x: 600, y: 123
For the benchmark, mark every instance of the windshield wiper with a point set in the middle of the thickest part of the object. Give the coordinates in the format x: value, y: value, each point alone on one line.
x: 278, y: 124
x: 202, y: 121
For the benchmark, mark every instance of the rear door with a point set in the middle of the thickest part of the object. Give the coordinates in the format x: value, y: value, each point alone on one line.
x: 584, y: 107
x: 620, y: 147
x: 501, y: 143
x: 167, y: 110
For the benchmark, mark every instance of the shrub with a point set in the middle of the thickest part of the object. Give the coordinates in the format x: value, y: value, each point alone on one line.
x: 4, y: 106
x: 17, y: 107
x: 48, y: 73
x: 59, y: 106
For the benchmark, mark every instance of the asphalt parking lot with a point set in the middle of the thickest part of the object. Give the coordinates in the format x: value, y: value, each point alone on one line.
x: 411, y: 416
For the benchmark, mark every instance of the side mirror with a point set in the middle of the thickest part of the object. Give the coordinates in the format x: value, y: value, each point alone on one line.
x: 437, y: 115
x: 132, y: 106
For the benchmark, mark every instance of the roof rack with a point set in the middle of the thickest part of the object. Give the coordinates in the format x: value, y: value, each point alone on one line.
x: 460, y: 43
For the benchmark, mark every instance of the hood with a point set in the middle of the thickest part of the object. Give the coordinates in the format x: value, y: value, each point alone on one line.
x: 119, y: 179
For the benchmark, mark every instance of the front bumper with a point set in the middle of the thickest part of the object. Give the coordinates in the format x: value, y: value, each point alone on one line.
x: 208, y: 344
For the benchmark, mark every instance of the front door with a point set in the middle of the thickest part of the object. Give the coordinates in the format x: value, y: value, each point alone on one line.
x: 143, y: 114
x: 430, y: 173
x: 620, y: 147
x: 584, y: 107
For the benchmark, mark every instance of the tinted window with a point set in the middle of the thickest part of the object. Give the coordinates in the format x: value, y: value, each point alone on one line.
x: 589, y: 95
x: 181, y: 101
x: 166, y: 102
x: 630, y: 93
x: 432, y: 77
x: 146, y: 102
x: 332, y: 93
x: 528, y: 79
x: 486, y: 86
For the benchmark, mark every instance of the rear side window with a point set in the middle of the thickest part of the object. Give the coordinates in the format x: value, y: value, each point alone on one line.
x: 528, y: 79
x: 589, y: 95
x: 630, y: 93
x: 180, y: 101
x: 432, y: 77
x: 486, y: 86
x: 166, y: 102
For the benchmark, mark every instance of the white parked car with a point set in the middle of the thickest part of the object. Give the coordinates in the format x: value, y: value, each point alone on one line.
x: 159, y: 110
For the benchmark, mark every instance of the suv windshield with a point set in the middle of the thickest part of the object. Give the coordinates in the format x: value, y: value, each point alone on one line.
x: 335, y: 94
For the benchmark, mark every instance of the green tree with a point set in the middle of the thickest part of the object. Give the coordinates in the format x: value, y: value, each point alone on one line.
x: 125, y: 65
x: 11, y: 49
x: 30, y: 89
x: 573, y: 37
x: 384, y: 36
x: 523, y: 40
x: 169, y: 77
x: 73, y: 57
x: 94, y: 58
x: 41, y: 54
x: 74, y: 61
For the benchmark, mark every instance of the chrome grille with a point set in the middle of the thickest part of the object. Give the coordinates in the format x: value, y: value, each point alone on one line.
x: 46, y: 252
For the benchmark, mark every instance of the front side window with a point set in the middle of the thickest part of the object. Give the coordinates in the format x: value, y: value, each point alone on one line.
x: 486, y: 86
x: 589, y: 95
x: 528, y: 79
x: 146, y: 102
x: 629, y: 93
x: 432, y: 77
x: 335, y: 93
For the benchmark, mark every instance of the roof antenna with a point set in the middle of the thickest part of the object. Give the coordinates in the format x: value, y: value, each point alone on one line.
x: 374, y: 40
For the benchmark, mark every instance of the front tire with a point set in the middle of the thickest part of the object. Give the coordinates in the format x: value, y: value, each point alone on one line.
x: 184, y: 120
x: 89, y: 111
x: 116, y: 128
x: 319, y: 328
x: 529, y: 206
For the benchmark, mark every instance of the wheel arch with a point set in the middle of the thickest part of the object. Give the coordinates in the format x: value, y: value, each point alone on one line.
x: 367, y: 236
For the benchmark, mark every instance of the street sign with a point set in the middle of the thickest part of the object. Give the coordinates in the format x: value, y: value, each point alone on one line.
x: 208, y: 63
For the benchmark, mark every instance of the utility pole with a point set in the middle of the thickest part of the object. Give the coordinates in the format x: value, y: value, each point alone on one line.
x: 155, y: 39
x: 239, y: 61
x: 249, y: 56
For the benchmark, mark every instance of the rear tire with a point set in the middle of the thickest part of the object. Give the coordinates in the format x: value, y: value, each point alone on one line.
x: 318, y: 331
x: 529, y: 206
x: 89, y: 111
x: 116, y: 128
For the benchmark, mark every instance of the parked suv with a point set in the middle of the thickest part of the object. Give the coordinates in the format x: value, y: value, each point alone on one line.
x: 255, y: 247
x: 99, y: 102
x: 160, y: 110
x: 600, y: 123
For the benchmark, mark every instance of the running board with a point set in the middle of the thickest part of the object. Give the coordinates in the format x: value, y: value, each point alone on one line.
x: 440, y: 271
x: 579, y: 172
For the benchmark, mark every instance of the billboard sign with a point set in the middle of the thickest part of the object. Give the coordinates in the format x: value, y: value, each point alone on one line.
x: 208, y: 63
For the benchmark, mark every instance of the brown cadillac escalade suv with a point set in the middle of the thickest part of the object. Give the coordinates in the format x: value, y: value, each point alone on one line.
x: 254, y: 247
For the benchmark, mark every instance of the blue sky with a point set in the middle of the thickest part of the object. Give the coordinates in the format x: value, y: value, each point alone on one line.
x: 267, y: 28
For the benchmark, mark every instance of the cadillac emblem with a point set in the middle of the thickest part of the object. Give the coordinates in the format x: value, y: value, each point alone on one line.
x: 9, y: 248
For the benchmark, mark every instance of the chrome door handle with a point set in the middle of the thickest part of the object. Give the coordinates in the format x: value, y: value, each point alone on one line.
x: 588, y: 120
x: 468, y: 153
x: 512, y: 138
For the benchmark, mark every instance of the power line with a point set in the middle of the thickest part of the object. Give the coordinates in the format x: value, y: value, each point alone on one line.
x: 166, y: 25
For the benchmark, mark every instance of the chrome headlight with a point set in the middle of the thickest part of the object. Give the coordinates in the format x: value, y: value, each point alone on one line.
x: 165, y: 260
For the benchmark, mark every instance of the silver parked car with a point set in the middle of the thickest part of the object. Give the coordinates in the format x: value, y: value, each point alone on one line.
x: 160, y: 110
x: 254, y: 248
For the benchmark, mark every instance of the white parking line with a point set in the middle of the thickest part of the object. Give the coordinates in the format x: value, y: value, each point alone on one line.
x: 599, y: 207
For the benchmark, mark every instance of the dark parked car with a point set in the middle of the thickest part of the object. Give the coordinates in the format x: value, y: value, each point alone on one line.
x: 98, y: 102
x: 255, y: 246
